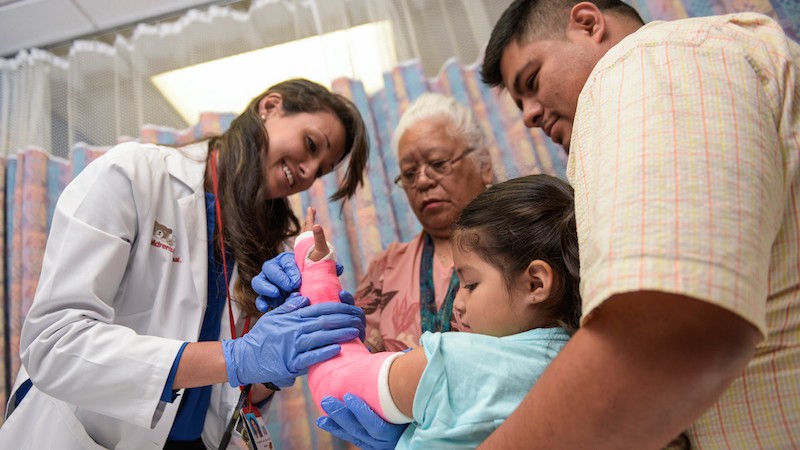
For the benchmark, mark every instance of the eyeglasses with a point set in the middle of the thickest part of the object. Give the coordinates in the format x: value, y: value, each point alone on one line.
x: 435, y: 170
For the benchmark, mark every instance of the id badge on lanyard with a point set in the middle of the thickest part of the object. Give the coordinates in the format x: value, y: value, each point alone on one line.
x: 252, y: 429
x: 247, y: 429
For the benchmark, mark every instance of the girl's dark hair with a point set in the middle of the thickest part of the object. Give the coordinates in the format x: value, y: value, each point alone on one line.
x: 256, y: 226
x: 522, y: 220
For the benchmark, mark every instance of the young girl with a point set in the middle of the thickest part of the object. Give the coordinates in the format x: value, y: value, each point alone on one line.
x: 516, y: 255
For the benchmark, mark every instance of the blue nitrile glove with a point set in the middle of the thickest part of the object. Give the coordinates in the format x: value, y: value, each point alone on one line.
x: 287, y: 340
x: 354, y: 421
x: 279, y: 277
x: 347, y: 297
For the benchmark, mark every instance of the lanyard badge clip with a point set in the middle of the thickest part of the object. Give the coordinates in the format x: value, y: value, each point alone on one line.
x: 247, y: 427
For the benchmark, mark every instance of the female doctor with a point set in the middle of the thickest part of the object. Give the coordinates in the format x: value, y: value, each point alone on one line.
x: 134, y: 339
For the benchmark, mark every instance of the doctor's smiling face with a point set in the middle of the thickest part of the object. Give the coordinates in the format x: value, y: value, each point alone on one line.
x: 301, y: 146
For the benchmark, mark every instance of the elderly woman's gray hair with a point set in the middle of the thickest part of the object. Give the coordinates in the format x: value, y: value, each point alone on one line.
x: 433, y: 106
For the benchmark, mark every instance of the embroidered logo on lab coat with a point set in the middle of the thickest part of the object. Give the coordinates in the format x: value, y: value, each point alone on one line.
x: 163, y: 238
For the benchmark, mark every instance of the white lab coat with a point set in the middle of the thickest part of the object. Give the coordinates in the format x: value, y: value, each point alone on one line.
x: 117, y: 297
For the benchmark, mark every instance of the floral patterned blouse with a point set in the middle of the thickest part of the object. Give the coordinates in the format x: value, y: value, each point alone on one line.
x: 390, y: 295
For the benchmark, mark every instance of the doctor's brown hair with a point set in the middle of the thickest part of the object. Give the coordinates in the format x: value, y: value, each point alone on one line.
x: 522, y: 220
x: 256, y: 226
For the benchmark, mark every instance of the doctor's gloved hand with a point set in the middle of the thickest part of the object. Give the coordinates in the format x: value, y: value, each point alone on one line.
x: 279, y: 277
x: 287, y: 340
x: 354, y: 421
x: 347, y: 297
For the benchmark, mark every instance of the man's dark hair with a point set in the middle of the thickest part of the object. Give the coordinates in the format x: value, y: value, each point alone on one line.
x: 525, y: 19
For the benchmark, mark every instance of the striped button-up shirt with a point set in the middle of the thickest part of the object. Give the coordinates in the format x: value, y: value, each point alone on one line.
x: 685, y: 160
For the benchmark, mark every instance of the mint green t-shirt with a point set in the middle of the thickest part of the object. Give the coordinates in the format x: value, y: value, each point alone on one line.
x: 473, y: 382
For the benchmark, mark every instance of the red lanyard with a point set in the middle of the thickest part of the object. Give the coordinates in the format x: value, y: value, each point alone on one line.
x: 246, y: 395
x: 213, y: 162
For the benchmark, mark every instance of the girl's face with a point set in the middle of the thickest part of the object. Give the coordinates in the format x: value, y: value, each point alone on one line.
x: 302, y: 147
x: 485, y: 302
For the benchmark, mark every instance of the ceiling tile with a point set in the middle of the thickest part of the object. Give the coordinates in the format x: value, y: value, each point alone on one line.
x: 108, y: 14
x: 32, y: 23
x: 38, y: 23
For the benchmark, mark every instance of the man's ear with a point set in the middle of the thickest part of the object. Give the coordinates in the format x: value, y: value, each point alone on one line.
x: 271, y: 104
x: 540, y: 279
x: 586, y: 20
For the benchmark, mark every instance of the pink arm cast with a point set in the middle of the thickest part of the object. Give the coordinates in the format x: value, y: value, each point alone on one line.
x: 354, y: 369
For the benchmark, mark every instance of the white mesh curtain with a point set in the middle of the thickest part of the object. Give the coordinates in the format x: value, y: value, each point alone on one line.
x: 100, y: 93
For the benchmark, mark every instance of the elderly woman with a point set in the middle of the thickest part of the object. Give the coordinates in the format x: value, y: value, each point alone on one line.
x: 444, y: 164
x: 409, y: 288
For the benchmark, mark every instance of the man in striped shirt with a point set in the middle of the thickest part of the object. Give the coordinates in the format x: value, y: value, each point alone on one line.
x: 684, y: 152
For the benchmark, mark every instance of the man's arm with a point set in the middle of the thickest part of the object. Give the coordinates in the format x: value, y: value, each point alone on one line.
x: 641, y: 370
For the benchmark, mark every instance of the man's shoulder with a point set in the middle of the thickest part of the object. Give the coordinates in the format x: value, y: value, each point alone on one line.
x: 694, y: 31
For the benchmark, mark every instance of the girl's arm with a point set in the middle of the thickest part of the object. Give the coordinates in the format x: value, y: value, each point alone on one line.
x: 404, y: 376
x: 355, y: 369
